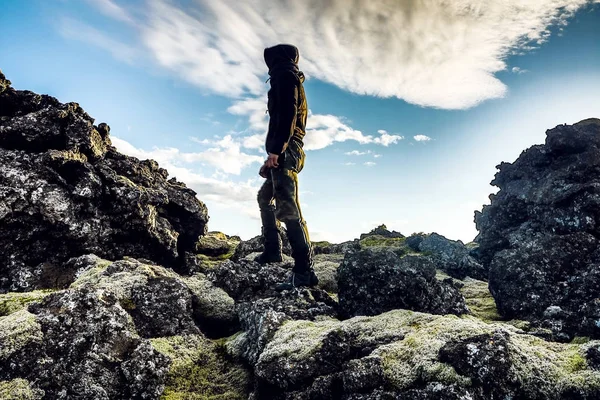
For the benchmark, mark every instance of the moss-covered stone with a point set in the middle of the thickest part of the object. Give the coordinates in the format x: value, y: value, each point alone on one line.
x: 406, y: 346
x: 216, y: 246
x: 16, y: 331
x: 199, y: 370
x: 15, y: 301
x: 19, y: 389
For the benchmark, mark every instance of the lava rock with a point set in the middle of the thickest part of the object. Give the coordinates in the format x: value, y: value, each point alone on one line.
x: 539, y: 235
x: 375, y: 280
x: 65, y: 191
x: 87, y: 347
x: 382, y: 230
x: 451, y: 256
x: 410, y: 355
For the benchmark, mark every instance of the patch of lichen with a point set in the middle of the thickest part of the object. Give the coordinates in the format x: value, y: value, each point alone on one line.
x: 479, y: 300
x: 92, y: 275
x: 200, y: 370
x: 17, y: 330
x: 378, y: 240
x: 551, y: 366
x: 15, y: 301
x: 19, y: 389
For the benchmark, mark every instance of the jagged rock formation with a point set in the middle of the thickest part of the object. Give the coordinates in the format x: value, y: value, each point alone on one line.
x: 540, y: 235
x: 65, y: 192
x: 451, y: 256
x: 372, y: 281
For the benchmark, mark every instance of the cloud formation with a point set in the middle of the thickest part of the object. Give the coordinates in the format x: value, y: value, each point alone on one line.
x: 422, y: 138
x: 432, y: 53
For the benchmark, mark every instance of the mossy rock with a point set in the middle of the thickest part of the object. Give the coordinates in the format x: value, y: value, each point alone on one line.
x: 15, y: 301
x: 200, y: 370
x: 217, y: 245
x: 19, y: 389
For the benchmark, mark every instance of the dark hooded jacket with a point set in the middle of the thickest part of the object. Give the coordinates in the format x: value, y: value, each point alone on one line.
x: 287, y: 105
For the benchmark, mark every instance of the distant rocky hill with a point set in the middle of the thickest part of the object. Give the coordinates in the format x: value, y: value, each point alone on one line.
x: 112, y: 287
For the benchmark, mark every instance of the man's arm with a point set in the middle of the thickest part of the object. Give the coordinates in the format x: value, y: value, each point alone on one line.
x: 285, y: 90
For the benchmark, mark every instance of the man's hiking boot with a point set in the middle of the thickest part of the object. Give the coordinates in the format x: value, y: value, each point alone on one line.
x: 298, y: 279
x: 271, y: 239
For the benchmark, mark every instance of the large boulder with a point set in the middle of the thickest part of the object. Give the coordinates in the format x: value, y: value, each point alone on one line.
x: 539, y: 236
x: 65, y: 191
x: 80, y: 344
x: 375, y: 280
x: 161, y: 302
x: 409, y: 355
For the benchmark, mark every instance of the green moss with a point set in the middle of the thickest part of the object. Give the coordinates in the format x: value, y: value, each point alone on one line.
x: 12, y: 302
x: 92, y: 275
x: 199, y: 370
x: 127, y: 304
x: 378, y: 240
x: 479, y: 300
x: 18, y: 330
x: 580, y: 340
x: 322, y: 243
x: 19, y: 389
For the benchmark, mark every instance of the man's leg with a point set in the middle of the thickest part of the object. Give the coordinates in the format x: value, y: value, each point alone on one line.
x: 270, y: 225
x: 288, y: 210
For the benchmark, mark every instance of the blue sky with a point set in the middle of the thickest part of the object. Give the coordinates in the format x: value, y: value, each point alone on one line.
x: 412, y: 104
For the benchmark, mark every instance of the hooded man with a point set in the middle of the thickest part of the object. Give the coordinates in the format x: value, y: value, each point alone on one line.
x: 278, y: 196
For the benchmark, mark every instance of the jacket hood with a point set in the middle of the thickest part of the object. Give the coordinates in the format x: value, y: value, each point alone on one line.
x: 281, y: 54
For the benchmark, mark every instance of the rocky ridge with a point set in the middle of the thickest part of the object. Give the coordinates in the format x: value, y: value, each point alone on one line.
x: 172, y: 311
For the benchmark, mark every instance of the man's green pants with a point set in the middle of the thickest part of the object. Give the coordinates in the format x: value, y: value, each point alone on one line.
x: 278, y: 201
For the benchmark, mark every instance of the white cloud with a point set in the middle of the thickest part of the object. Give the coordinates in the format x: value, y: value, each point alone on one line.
x: 357, y: 153
x: 370, y: 164
x: 431, y: 53
x: 386, y: 139
x: 349, y: 163
x: 421, y: 138
x: 111, y: 9
x: 226, y: 155
x: 517, y: 70
x: 377, y: 155
x: 324, y: 130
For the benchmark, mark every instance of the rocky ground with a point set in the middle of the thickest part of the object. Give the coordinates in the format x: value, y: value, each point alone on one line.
x: 112, y: 287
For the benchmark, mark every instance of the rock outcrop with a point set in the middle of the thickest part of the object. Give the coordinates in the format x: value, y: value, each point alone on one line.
x: 540, y: 235
x: 373, y: 281
x: 65, y: 192
x: 453, y: 257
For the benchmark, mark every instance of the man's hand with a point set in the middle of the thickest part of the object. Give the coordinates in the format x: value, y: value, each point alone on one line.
x: 272, y: 161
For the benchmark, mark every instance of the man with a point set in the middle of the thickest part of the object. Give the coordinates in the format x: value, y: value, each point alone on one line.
x: 278, y: 196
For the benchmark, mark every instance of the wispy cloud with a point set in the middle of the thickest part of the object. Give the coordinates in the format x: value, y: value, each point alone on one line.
x: 349, y: 163
x: 76, y: 30
x: 517, y: 70
x: 357, y: 153
x: 422, y: 138
x: 225, y: 155
x: 112, y: 10
x: 370, y: 164
x: 431, y: 53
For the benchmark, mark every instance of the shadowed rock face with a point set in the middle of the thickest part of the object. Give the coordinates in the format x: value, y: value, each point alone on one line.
x: 65, y: 191
x: 539, y: 237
